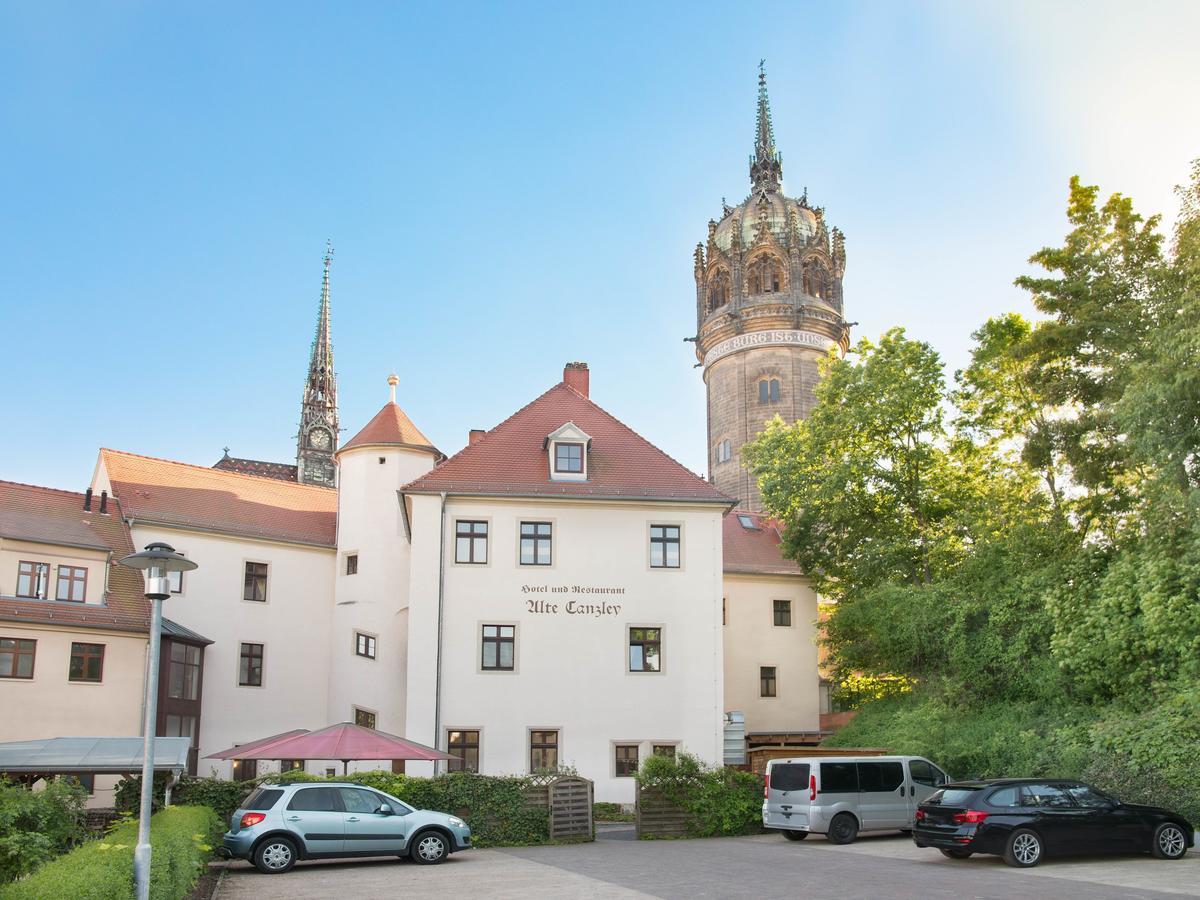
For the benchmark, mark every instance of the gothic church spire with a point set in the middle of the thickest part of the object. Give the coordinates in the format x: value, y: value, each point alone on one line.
x: 766, y: 165
x: 318, y: 435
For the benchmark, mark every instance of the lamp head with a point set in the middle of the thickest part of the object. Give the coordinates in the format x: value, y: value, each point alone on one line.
x: 156, y: 561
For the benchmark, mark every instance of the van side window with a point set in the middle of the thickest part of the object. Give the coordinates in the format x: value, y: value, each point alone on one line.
x: 789, y: 777
x: 839, y: 777
x: 922, y: 773
x: 880, y: 777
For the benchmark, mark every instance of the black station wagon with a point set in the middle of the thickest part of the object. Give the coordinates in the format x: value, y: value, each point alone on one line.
x: 1026, y: 819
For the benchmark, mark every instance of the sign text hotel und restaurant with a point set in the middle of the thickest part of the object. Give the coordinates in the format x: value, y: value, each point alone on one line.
x: 571, y: 607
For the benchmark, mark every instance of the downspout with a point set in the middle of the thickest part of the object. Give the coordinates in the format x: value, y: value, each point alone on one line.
x: 437, y: 690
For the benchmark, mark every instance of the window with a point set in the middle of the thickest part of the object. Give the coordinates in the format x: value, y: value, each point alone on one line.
x: 464, y: 745
x: 667, y: 750
x: 783, y: 612
x: 180, y: 726
x: 664, y: 546
x: 769, y: 390
x: 747, y: 522
x: 322, y: 799
x: 352, y: 564
x: 470, y: 544
x: 568, y: 457
x: 925, y: 773
x: 645, y: 649
x: 72, y: 584
x: 183, y: 672
x: 789, y: 777
x: 1004, y: 797
x: 724, y: 451
x: 87, y: 662
x: 626, y: 760
x: 364, y: 645
x: 16, y: 657
x: 880, y: 777
x: 839, y: 777
x: 766, y: 681
x: 262, y: 799
x: 245, y: 769
x: 1088, y: 797
x: 364, y: 718
x: 256, y: 582
x: 719, y: 289
x: 289, y: 765
x: 32, y: 580
x: 499, y: 646
x: 535, y: 543
x: 250, y: 671
x: 543, y: 750
x: 1050, y: 796
x: 175, y: 579
x: 360, y: 800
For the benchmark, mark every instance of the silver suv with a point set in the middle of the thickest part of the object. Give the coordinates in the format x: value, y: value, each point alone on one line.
x: 281, y: 823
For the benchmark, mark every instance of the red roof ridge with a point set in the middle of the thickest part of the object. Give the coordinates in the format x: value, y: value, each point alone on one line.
x: 223, y: 473
x: 42, y: 487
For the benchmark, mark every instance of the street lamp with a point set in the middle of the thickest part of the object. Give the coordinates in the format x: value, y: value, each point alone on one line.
x: 157, y: 561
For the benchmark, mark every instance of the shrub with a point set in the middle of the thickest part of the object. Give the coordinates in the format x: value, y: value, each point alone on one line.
x: 38, y: 825
x: 181, y: 837
x: 221, y: 796
x: 716, y: 801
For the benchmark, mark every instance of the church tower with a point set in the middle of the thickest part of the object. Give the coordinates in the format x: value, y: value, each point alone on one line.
x: 768, y: 307
x: 318, y: 438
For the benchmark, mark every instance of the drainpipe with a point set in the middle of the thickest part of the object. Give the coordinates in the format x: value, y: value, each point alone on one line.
x: 437, y: 690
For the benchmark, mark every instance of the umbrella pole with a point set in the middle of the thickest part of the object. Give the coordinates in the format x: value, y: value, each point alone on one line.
x: 345, y: 767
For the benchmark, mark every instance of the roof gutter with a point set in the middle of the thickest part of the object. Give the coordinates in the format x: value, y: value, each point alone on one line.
x: 729, y: 504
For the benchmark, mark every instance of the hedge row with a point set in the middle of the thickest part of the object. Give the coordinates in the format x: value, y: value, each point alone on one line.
x: 716, y: 801
x: 182, y: 839
x: 497, y: 808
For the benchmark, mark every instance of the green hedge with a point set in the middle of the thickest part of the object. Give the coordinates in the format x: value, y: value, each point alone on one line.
x: 181, y: 837
x: 718, y: 801
x: 221, y: 796
x: 36, y: 826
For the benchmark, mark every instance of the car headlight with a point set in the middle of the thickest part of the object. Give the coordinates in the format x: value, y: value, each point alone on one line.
x: 457, y: 822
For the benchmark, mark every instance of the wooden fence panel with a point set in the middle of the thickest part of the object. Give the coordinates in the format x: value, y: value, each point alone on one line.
x: 657, y: 817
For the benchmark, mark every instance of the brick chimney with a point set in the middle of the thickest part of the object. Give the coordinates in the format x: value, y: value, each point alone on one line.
x: 575, y: 375
x: 475, y: 434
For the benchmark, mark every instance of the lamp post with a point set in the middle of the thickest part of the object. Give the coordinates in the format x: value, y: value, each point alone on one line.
x: 157, y: 561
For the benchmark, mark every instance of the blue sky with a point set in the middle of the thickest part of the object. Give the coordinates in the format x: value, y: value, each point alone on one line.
x: 512, y: 186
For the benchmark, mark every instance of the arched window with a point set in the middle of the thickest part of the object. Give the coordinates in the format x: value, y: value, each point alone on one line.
x: 765, y: 275
x: 768, y: 390
x: 815, y: 279
x: 718, y: 290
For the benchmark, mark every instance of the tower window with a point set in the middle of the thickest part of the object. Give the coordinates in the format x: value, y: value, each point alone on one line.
x: 766, y: 276
x: 769, y: 390
x: 724, y: 451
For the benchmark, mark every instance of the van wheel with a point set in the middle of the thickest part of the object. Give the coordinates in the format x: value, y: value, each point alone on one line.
x: 1024, y: 849
x: 795, y: 835
x: 955, y: 852
x: 275, y: 855
x: 843, y: 829
x: 1169, y: 841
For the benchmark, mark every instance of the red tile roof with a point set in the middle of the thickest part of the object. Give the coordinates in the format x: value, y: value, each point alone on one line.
x: 391, y: 426
x: 282, y: 471
x: 512, y: 460
x: 187, y: 496
x: 754, y: 551
x: 53, y: 517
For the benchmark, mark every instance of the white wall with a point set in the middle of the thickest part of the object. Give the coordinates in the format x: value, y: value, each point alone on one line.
x: 293, y: 625
x: 571, y: 670
x: 752, y: 640
x: 375, y: 600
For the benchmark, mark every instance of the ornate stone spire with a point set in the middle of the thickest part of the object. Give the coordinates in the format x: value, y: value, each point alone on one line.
x: 766, y: 165
x: 318, y: 438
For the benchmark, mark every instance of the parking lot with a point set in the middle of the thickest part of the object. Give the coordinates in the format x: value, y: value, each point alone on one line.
x: 763, y: 866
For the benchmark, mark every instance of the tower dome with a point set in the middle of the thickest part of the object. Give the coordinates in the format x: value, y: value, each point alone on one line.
x: 768, y: 306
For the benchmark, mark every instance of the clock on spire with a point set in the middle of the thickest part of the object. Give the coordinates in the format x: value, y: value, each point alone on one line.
x: 318, y: 437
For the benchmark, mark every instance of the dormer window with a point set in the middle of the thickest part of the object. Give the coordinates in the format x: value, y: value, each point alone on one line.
x: 568, y: 457
x: 567, y: 453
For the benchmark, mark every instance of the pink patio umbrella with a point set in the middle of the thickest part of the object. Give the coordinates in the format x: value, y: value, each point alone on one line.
x: 344, y: 741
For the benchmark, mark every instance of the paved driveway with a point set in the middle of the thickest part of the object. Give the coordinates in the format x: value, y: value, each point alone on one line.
x: 764, y: 866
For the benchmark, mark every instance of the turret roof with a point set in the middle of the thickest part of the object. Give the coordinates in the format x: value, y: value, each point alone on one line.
x: 391, y: 426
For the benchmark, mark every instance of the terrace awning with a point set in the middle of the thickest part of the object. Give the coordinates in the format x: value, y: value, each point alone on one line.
x: 91, y: 755
x: 344, y: 741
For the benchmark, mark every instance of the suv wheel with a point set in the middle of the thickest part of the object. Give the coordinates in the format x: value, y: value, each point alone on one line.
x: 428, y: 848
x: 1024, y: 849
x: 795, y: 835
x: 275, y: 855
x: 1169, y: 841
x: 843, y: 829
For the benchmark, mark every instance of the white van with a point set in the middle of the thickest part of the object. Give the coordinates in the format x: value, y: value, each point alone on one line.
x: 839, y: 796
